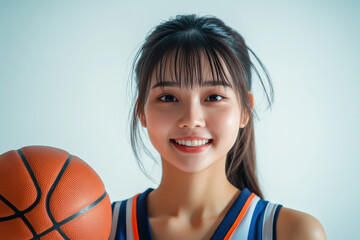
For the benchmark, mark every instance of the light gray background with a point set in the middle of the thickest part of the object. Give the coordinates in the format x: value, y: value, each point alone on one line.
x: 64, y: 66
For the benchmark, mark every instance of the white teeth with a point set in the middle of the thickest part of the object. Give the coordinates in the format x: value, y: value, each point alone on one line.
x: 193, y: 143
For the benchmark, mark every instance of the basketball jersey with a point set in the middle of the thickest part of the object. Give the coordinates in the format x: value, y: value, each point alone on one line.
x: 249, y: 217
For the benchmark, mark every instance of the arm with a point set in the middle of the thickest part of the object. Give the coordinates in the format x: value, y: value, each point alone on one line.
x: 294, y: 225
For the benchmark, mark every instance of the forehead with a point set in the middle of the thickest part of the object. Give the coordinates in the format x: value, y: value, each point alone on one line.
x: 196, y: 69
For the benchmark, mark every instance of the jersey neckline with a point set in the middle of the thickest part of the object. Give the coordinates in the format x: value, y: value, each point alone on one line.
x: 143, y: 223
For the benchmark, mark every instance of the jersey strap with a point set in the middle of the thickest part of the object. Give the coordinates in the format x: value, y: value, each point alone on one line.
x: 115, y: 218
x: 242, y: 230
x: 265, y: 221
x: 118, y: 227
x: 125, y: 212
x: 269, y: 222
x: 235, y: 227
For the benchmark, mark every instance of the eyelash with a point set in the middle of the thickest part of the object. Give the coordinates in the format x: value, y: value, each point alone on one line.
x: 165, y: 95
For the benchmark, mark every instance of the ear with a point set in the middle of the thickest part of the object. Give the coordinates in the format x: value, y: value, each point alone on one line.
x: 141, y: 115
x: 142, y: 120
x: 246, y: 116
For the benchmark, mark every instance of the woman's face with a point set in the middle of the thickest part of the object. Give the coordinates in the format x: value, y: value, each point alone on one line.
x: 192, y: 128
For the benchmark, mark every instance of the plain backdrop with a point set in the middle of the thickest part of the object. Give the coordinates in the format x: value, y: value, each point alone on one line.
x: 65, y: 65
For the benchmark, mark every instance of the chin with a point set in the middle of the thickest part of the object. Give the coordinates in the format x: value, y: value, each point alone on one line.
x: 191, y: 167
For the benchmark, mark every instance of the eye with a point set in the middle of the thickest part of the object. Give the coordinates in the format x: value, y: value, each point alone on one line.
x: 167, y: 98
x: 214, y: 98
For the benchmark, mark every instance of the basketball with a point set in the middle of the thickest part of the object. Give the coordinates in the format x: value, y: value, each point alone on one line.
x: 49, y: 194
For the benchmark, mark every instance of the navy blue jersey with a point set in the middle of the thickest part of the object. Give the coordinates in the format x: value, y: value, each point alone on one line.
x: 250, y: 217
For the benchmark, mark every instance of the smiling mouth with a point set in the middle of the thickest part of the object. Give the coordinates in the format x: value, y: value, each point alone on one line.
x: 192, y: 143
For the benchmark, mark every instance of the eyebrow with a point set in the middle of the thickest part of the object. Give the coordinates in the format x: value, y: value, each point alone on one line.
x: 204, y: 84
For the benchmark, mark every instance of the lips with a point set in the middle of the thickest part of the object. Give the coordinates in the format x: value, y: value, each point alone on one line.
x: 191, y: 149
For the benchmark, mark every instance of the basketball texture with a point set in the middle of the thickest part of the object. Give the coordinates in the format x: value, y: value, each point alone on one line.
x: 46, y: 193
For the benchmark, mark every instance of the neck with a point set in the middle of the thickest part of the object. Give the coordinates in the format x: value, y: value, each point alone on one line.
x: 204, y: 194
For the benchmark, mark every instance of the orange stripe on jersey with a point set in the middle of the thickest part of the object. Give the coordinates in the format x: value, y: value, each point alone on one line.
x: 134, y: 219
x: 240, y: 216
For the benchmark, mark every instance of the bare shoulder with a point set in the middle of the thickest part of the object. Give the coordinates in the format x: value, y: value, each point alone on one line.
x: 293, y: 225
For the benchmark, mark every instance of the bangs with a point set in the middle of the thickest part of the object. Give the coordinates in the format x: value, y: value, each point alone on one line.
x: 192, y: 62
x: 191, y: 59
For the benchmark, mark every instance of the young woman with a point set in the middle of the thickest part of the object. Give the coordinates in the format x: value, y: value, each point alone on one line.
x: 193, y: 79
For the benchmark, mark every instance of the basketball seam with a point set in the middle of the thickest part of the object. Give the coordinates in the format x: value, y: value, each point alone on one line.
x: 19, y: 213
x: 48, y: 196
x: 68, y: 219
x: 37, y: 187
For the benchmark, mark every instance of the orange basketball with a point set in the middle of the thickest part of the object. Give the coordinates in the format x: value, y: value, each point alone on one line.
x: 48, y: 194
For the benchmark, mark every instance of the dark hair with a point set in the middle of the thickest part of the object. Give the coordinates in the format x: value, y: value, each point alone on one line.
x: 184, y: 41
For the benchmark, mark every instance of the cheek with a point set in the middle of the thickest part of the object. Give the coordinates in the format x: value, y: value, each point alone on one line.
x: 158, y: 122
x: 225, y: 127
x: 226, y: 120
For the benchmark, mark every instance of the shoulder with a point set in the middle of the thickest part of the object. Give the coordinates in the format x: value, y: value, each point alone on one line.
x: 293, y: 225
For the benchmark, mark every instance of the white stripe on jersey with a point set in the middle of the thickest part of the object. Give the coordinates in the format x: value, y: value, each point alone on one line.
x: 267, y: 230
x: 115, y: 220
x: 129, y: 231
x: 242, y: 230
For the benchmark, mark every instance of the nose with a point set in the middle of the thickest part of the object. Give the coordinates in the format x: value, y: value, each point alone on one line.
x: 192, y: 115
